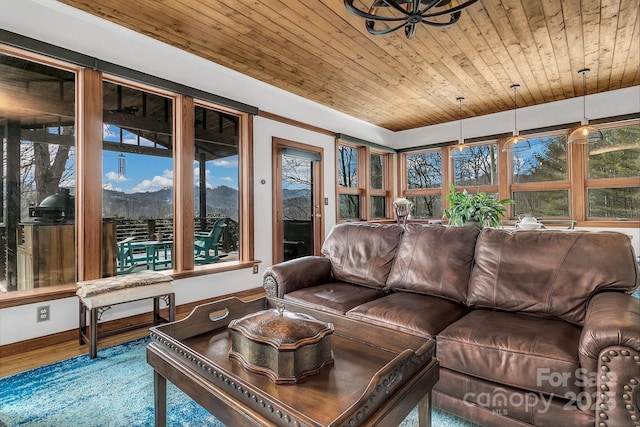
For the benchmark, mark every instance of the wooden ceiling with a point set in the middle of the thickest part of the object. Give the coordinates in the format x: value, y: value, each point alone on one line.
x: 318, y: 50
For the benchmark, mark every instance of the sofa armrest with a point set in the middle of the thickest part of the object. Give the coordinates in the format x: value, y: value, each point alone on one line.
x: 609, y: 353
x: 288, y: 276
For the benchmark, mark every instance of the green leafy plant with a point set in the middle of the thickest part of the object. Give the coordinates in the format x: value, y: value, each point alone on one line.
x: 482, y: 208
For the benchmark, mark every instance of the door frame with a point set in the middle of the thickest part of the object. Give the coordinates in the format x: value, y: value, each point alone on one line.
x: 318, y: 196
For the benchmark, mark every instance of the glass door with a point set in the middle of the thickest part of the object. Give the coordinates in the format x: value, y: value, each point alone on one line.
x: 298, y: 211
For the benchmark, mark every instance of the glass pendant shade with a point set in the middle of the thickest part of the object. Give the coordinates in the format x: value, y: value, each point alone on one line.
x: 516, y: 143
x: 586, y: 133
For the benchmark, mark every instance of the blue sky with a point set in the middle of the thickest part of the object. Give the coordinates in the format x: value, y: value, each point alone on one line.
x: 151, y: 173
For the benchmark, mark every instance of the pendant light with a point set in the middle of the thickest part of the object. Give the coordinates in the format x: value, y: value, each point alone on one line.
x: 516, y: 143
x: 460, y: 146
x: 586, y: 133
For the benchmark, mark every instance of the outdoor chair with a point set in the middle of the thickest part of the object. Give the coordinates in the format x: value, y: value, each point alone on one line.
x: 205, y: 243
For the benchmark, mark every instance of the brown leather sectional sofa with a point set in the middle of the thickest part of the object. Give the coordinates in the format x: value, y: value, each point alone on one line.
x: 531, y: 327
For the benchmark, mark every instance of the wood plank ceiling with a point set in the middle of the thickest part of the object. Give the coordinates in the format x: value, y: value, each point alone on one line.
x: 318, y: 50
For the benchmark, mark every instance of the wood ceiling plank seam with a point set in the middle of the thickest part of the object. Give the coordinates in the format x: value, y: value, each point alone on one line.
x: 622, y: 41
x: 186, y: 46
x: 124, y: 20
x: 481, y: 45
x: 485, y: 81
x: 627, y: 24
x: 542, y: 38
x: 591, y: 11
x: 295, y: 15
x: 442, y: 51
x: 557, y: 31
x: 631, y: 75
x: 492, y: 37
x: 264, y: 59
x: 540, y: 44
x: 381, y: 51
x: 356, y: 82
x: 572, y: 17
x: 608, y: 25
x: 490, y: 68
x: 402, y: 50
x: 535, y: 80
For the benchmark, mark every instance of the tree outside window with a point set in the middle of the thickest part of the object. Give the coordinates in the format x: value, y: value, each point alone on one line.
x: 613, y: 184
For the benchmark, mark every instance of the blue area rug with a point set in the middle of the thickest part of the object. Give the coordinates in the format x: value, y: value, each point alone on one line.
x: 115, y: 389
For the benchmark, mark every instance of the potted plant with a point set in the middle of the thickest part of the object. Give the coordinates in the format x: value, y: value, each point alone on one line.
x: 480, y: 209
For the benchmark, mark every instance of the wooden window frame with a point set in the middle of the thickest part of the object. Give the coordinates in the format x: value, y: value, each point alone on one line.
x: 512, y: 187
x: 403, y: 178
x: 363, y: 189
x: 589, y: 184
x: 88, y: 226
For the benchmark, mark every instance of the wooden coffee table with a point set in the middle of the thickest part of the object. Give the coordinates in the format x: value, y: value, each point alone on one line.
x: 378, y: 376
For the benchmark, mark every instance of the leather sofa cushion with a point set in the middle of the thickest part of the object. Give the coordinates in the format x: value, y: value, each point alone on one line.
x: 415, y: 314
x: 484, y: 402
x: 362, y: 253
x: 535, y: 354
x: 549, y: 273
x: 434, y: 260
x: 335, y: 297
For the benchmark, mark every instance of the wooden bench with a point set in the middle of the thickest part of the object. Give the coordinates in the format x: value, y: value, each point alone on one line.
x: 97, y: 296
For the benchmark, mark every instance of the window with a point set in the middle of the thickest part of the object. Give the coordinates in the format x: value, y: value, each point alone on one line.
x: 216, y: 186
x: 37, y: 127
x: 114, y: 179
x: 423, y: 183
x: 348, y: 191
x: 363, y: 182
x: 613, y: 165
x: 540, y: 180
x: 137, y: 183
x: 378, y: 172
x: 476, y: 168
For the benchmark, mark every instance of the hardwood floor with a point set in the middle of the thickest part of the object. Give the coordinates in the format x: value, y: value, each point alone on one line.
x: 44, y: 356
x: 31, y: 359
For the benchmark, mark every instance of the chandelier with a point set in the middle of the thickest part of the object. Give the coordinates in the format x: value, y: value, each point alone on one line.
x: 408, y: 14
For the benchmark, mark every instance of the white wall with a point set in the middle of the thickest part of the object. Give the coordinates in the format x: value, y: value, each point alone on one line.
x: 66, y: 27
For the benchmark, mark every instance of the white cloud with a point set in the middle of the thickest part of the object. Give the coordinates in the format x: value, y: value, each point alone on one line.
x: 155, y: 183
x: 114, y: 176
x: 226, y: 178
x: 224, y: 163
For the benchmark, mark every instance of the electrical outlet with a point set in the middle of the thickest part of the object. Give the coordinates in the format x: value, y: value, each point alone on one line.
x: 255, y: 269
x: 43, y: 313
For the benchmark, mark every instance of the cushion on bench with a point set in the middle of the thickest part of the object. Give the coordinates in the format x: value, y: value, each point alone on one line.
x: 90, y: 288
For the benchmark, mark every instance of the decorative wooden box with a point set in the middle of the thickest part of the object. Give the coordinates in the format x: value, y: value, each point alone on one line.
x: 284, y: 346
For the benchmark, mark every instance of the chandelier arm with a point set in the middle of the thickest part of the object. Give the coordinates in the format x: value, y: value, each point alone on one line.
x: 454, y: 18
x: 410, y: 30
x: 348, y: 4
x: 373, y: 31
x: 428, y: 5
x: 394, y: 4
x: 448, y: 11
